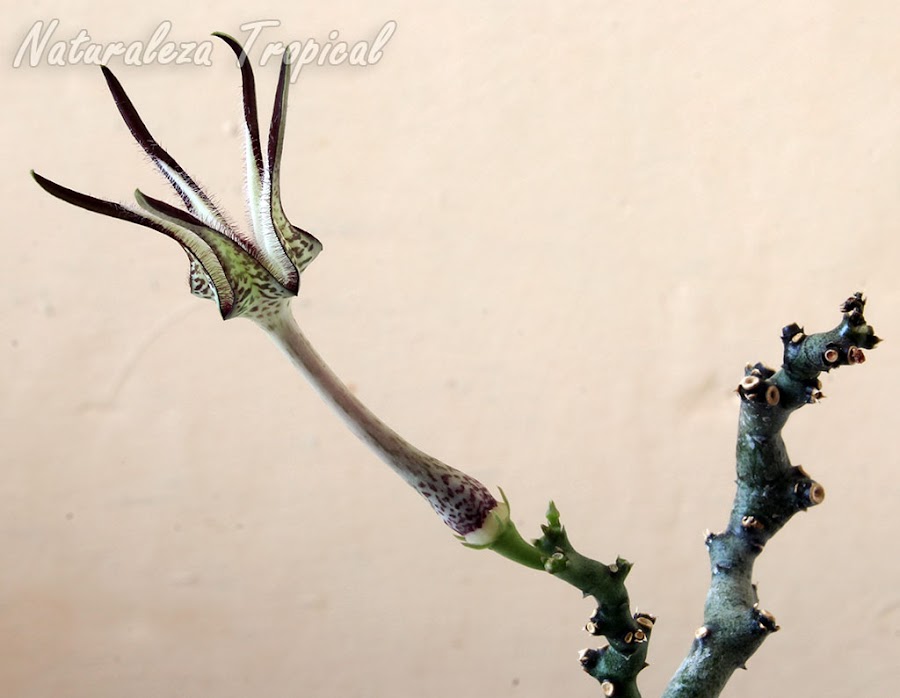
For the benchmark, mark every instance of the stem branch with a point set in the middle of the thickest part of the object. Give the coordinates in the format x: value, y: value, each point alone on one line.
x: 769, y: 492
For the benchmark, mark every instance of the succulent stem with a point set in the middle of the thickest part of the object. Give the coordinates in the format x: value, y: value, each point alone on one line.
x: 769, y: 492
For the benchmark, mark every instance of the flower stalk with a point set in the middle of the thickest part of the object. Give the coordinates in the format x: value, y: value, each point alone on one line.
x: 463, y: 503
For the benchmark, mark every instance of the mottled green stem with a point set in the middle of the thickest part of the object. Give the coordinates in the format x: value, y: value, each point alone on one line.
x: 617, y: 665
x: 769, y: 492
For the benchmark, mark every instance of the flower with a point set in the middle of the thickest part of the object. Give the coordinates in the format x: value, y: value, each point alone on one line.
x: 255, y: 275
x: 247, y: 275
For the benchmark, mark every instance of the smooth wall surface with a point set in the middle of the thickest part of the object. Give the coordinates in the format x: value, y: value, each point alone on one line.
x: 553, y: 235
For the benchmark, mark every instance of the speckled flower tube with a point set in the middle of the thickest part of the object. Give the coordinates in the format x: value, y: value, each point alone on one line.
x: 255, y: 275
x: 463, y: 503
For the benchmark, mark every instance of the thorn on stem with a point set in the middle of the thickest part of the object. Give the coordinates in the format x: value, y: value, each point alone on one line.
x: 814, y: 396
x: 810, y: 493
x: 589, y: 657
x: 792, y: 334
x: 765, y: 620
x: 754, y: 387
x: 645, y: 620
x: 749, y: 383
x: 752, y: 522
x: 556, y: 563
x: 816, y: 493
x: 855, y: 355
x: 856, y: 302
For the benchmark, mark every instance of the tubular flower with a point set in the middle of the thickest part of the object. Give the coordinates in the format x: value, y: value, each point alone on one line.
x: 246, y: 275
x: 255, y: 275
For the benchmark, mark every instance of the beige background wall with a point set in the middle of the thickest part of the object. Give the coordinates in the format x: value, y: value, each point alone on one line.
x: 554, y: 236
